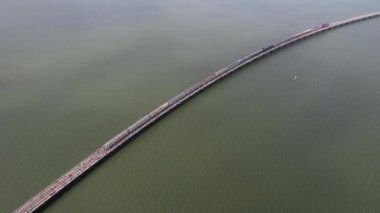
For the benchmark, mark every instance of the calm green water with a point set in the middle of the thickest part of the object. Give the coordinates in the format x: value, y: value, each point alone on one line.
x: 75, y: 73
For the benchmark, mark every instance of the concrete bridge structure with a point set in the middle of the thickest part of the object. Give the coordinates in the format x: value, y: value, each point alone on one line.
x: 57, y: 187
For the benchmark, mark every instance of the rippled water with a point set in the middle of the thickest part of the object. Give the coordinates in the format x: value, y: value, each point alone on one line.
x: 75, y: 73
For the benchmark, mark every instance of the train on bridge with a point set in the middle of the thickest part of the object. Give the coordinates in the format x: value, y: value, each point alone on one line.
x: 66, y: 179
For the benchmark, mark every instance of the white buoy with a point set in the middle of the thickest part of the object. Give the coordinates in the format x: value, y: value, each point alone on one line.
x: 295, y: 77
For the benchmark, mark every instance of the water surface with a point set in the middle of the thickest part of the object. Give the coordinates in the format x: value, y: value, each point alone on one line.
x: 75, y: 73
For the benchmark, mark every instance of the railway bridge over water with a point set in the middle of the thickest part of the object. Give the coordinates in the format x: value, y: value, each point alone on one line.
x: 132, y: 131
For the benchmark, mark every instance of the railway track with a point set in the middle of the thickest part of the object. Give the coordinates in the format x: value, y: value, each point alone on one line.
x: 132, y: 131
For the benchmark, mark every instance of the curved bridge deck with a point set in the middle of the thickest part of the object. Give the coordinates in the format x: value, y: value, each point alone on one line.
x: 78, y: 170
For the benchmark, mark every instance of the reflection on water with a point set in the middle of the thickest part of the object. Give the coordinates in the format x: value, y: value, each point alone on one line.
x: 75, y: 73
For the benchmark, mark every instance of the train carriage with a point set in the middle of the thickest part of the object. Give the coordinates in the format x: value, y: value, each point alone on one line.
x: 220, y: 72
x: 268, y: 48
x: 207, y: 79
x: 159, y: 109
x: 302, y: 33
x: 192, y: 88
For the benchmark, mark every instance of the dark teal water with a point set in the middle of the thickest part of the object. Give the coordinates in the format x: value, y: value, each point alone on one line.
x: 75, y: 73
